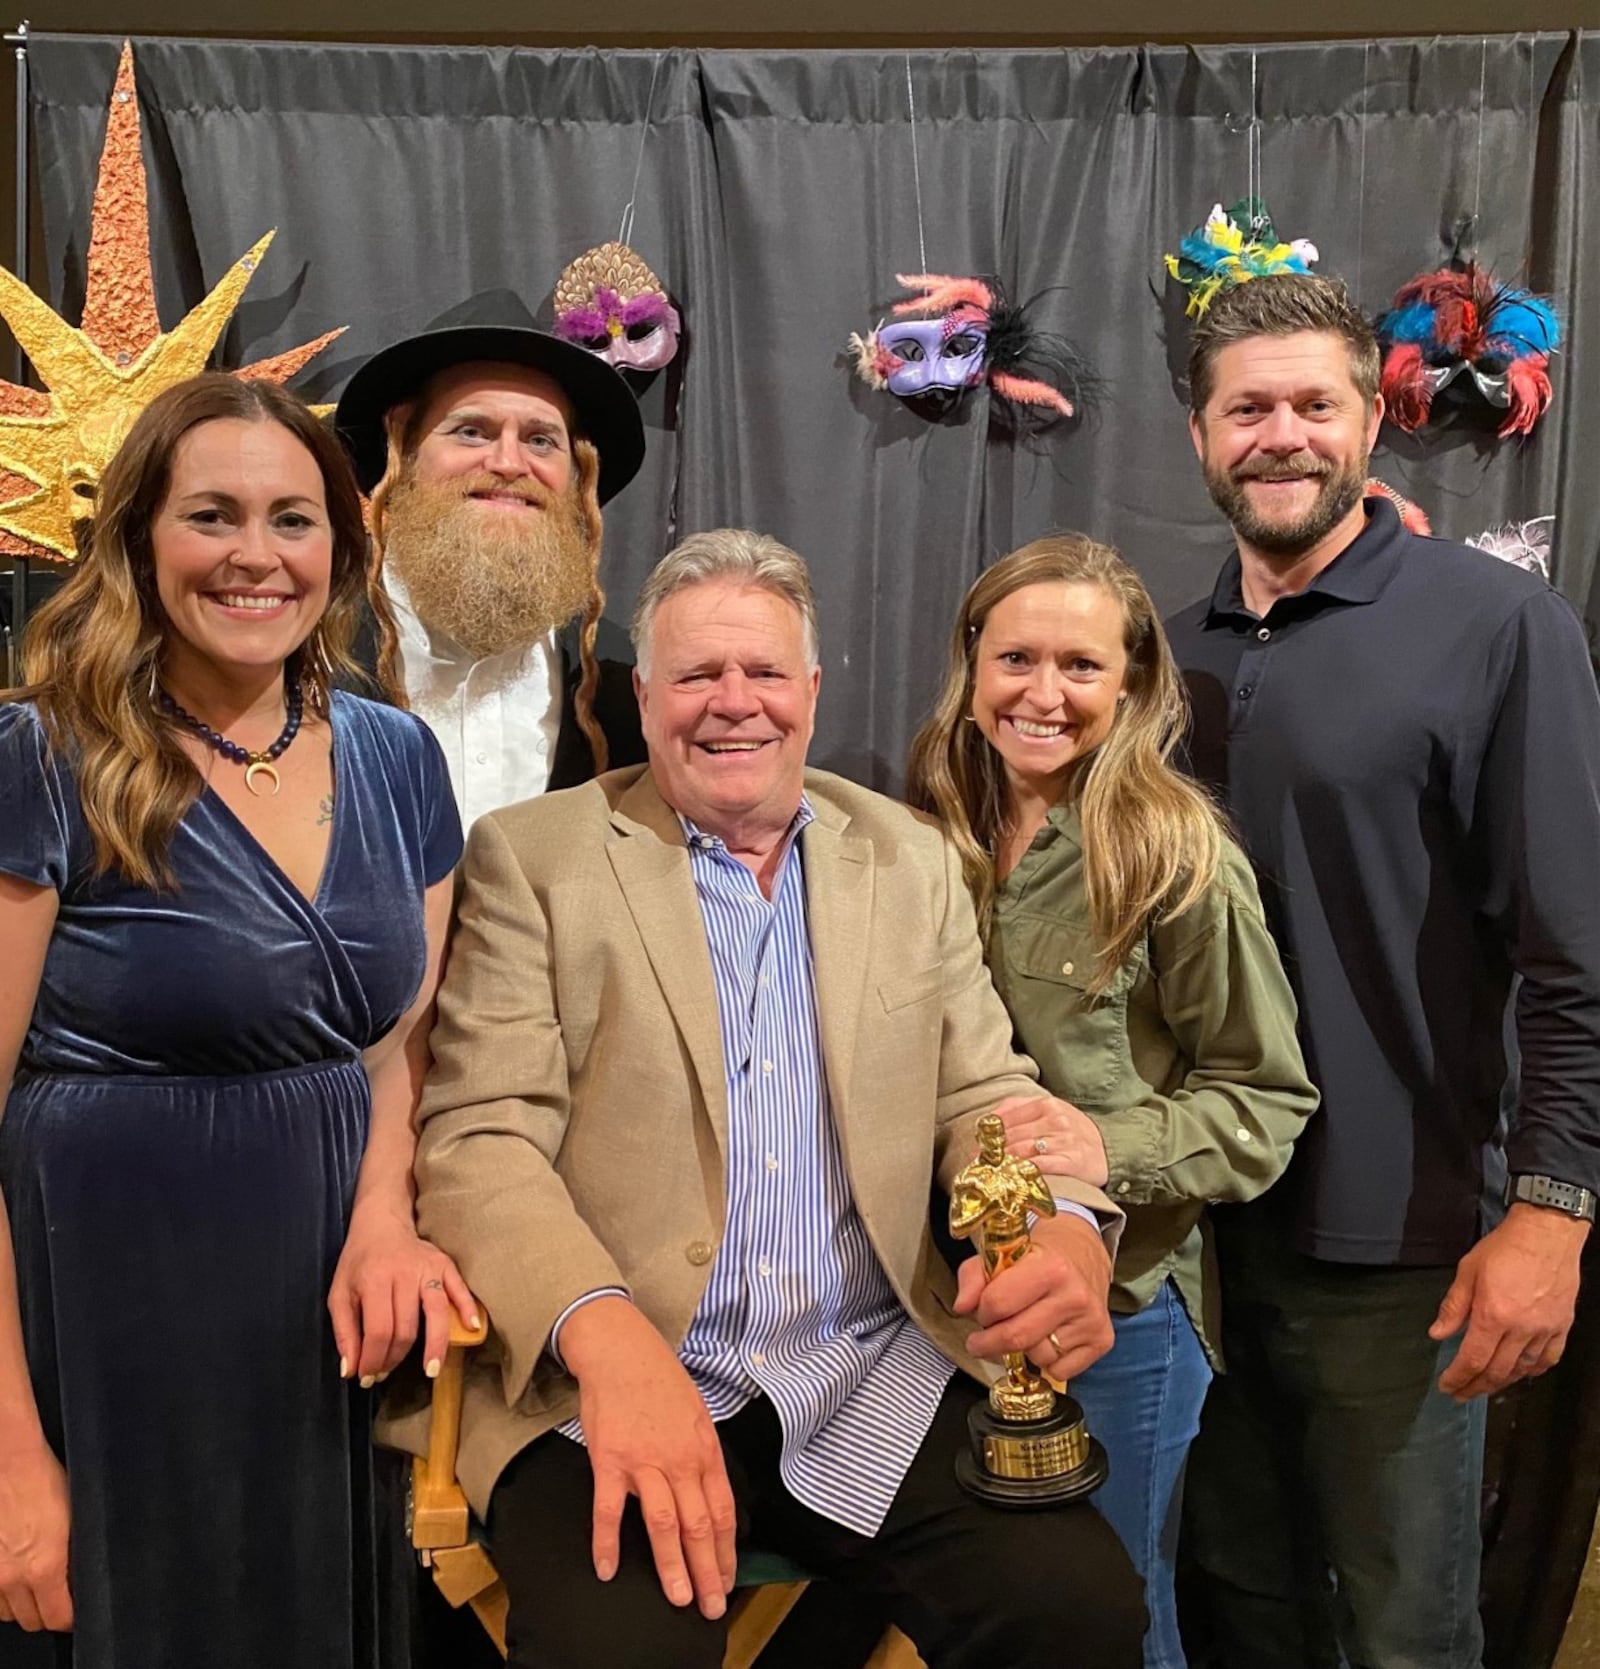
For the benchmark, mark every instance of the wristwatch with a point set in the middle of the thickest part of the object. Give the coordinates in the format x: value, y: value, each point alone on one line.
x: 1559, y: 1196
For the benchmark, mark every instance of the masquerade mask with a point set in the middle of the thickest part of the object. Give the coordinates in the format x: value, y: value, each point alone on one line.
x: 1458, y: 320
x: 1232, y: 247
x: 968, y: 334
x: 611, y: 303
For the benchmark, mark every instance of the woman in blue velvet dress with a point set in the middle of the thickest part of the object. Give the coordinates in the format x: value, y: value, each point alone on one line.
x: 224, y: 889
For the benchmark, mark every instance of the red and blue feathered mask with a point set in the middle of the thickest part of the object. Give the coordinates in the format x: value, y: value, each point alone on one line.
x: 1458, y: 323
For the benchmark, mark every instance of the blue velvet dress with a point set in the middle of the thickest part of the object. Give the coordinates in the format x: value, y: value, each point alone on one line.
x: 178, y: 1156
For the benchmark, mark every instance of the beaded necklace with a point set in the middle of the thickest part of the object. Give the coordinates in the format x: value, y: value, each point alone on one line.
x: 255, y: 764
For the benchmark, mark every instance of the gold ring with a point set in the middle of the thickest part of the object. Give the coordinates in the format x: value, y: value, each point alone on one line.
x: 1040, y: 1145
x: 1056, y: 1344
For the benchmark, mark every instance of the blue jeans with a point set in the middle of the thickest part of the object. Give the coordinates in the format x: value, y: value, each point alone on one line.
x: 1332, y: 1506
x: 1142, y: 1400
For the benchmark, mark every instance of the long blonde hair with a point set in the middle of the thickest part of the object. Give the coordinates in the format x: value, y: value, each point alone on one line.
x: 91, y: 654
x: 1151, y: 838
x: 402, y: 426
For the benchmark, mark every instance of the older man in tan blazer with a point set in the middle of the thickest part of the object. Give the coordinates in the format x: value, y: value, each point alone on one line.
x: 708, y: 1031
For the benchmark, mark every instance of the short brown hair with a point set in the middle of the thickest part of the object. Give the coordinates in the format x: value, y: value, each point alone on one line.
x: 1282, y: 305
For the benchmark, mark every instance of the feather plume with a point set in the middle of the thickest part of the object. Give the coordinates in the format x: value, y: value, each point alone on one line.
x: 941, y: 294
x: 1030, y: 392
x: 1407, y: 393
x: 1528, y: 385
x: 1523, y: 544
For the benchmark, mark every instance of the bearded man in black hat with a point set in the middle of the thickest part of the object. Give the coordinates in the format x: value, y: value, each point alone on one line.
x: 488, y: 448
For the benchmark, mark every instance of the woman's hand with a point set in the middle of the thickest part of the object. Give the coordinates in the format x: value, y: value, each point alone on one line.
x: 1062, y: 1140
x: 34, y: 1517
x: 387, y: 1274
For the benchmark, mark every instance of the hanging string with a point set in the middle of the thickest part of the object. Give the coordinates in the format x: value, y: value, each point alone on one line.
x: 916, y: 166
x: 1253, y: 152
x: 625, y: 230
x: 1361, y: 186
x: 1477, y: 191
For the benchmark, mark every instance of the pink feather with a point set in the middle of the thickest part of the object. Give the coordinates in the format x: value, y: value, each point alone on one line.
x: 1528, y: 384
x: 941, y: 294
x: 1029, y: 392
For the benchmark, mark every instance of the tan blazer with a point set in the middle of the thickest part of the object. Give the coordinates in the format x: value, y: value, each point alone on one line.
x: 574, y: 1124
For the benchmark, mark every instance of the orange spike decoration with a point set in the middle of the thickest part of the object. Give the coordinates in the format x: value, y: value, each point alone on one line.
x: 56, y: 442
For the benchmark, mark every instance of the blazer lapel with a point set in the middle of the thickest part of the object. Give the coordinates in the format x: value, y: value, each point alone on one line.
x: 651, y: 863
x: 839, y: 886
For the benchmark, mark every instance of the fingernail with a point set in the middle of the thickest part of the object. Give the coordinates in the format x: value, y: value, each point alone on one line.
x: 344, y: 1367
x: 383, y: 1376
x: 473, y: 1321
x: 715, y: 1606
x: 368, y: 1380
x: 432, y: 1367
x: 605, y: 1570
x: 681, y: 1593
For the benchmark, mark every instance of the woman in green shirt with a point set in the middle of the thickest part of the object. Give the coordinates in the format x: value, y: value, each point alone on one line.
x: 1126, y: 937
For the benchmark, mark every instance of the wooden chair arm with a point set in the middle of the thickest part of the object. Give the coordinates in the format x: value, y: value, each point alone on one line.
x: 440, y: 1516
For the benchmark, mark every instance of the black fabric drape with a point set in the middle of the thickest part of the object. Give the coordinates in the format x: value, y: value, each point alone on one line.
x: 776, y: 198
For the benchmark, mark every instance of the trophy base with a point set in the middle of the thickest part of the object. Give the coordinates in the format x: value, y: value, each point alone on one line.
x: 1029, y: 1464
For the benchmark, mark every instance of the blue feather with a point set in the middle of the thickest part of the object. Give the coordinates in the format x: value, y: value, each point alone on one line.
x: 1202, y: 252
x: 1523, y: 324
x: 1412, y: 323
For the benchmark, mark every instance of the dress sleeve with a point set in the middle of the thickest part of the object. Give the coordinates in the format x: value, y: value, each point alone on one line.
x: 34, y: 843
x: 441, y: 821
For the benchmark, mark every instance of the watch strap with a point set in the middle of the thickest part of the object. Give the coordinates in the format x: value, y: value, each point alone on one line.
x: 1569, y: 1197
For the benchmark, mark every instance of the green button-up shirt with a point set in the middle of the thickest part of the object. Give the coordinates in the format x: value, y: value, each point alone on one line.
x: 1188, y: 1062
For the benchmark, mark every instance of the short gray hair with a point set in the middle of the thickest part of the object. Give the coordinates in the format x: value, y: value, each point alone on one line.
x: 727, y: 553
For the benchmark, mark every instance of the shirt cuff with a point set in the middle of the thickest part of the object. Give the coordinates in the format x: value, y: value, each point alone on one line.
x: 554, y: 1346
x: 1072, y: 1209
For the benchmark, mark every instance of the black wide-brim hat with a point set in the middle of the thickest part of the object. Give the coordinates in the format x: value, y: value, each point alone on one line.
x: 495, y: 327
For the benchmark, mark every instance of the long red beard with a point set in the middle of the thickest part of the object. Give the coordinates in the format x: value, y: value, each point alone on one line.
x: 491, y: 579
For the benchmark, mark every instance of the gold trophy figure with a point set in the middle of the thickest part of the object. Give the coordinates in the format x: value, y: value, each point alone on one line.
x: 1029, y: 1447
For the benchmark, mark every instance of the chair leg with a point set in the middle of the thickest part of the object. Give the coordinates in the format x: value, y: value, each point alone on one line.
x: 895, y: 1651
x: 754, y: 1619
x: 491, y: 1607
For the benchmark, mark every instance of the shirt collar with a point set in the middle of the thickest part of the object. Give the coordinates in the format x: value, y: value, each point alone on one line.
x: 1358, y: 574
x: 697, y: 838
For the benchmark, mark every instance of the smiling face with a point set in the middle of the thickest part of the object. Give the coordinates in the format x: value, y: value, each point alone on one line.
x: 728, y: 701
x: 503, y: 432
x: 1284, y: 441
x: 1048, y: 669
x: 241, y: 546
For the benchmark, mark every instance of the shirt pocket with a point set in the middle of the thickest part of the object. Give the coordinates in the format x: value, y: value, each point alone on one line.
x: 1078, y: 1038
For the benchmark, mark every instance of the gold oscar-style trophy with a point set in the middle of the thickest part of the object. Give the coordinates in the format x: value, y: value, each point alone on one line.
x: 1028, y: 1447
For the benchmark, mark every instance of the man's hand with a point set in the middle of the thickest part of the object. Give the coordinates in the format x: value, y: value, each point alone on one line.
x: 1058, y: 1288
x: 1515, y: 1292
x: 649, y: 1435
x: 1072, y: 1142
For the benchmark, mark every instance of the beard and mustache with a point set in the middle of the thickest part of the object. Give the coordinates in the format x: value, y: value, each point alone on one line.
x: 492, y: 579
x: 1342, y: 488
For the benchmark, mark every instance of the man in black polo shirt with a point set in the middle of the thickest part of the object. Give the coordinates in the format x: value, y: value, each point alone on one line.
x: 1407, y: 735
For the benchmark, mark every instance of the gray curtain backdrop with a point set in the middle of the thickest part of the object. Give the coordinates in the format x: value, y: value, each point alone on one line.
x: 777, y: 200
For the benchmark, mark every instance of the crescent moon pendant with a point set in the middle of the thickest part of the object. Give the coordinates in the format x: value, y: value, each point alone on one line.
x: 267, y: 769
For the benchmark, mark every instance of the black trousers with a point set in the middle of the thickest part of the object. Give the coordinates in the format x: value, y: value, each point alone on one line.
x: 972, y: 1585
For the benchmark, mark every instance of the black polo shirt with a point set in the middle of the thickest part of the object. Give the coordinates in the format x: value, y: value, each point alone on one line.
x: 1410, y: 750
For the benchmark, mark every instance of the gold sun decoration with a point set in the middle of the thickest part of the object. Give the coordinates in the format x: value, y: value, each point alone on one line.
x: 54, y: 445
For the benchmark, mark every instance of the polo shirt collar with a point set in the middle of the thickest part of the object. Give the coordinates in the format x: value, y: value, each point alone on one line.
x: 1358, y: 574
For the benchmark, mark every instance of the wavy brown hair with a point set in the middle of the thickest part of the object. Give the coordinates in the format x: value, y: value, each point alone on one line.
x: 403, y: 427
x: 1151, y: 838
x: 91, y: 654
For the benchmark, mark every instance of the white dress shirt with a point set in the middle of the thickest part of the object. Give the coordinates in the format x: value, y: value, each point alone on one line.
x: 496, y: 717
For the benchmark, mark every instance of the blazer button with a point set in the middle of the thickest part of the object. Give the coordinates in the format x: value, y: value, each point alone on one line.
x: 698, y: 1252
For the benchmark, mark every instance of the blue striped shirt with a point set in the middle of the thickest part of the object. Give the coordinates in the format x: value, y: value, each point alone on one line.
x: 797, y: 1307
